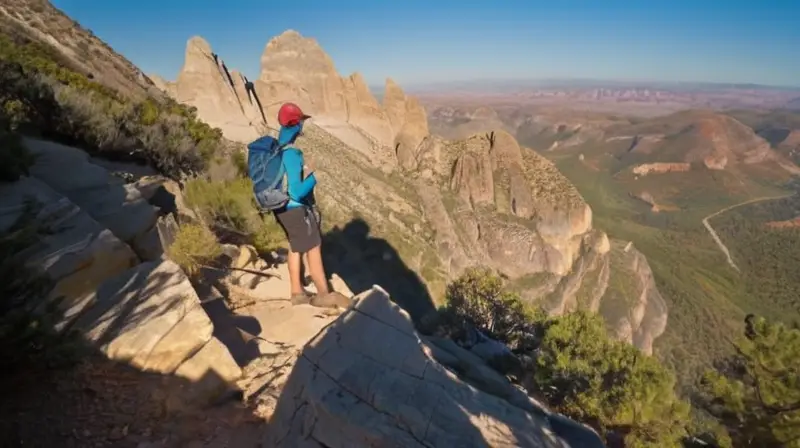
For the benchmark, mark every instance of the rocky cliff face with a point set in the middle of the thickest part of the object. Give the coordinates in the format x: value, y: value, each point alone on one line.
x: 482, y: 200
x: 205, y: 82
x: 660, y: 168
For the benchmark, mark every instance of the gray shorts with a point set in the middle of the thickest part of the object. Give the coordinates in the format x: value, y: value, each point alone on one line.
x: 302, y: 228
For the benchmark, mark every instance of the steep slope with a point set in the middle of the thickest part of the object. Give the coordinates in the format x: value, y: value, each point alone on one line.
x: 704, y: 138
x: 535, y: 127
x: 682, y: 161
x: 781, y: 128
x: 478, y: 201
x: 77, y: 47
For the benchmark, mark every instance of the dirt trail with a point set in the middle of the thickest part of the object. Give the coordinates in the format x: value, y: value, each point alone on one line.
x: 716, y: 237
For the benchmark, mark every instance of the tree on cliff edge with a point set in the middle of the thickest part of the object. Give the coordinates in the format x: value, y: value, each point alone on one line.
x: 579, y: 368
x: 757, y: 395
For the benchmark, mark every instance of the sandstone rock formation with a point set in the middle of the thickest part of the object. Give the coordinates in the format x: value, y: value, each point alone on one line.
x: 98, y: 232
x: 295, y: 68
x: 162, y: 84
x: 408, y: 121
x: 115, y: 205
x: 205, y: 84
x: 713, y: 140
x: 660, y: 168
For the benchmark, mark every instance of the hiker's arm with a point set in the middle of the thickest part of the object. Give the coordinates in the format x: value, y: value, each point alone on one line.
x: 298, y: 188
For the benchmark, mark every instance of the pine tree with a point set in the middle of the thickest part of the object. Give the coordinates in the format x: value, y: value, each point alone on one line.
x: 757, y: 394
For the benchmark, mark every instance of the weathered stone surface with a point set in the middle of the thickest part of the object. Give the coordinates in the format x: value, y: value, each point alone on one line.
x: 149, y: 316
x: 205, y: 83
x: 76, y: 253
x: 365, y: 380
x: 212, y: 366
x: 297, y: 68
x: 166, y: 195
x: 162, y: 84
x: 116, y: 205
x: 248, y: 98
x: 365, y: 112
x: 409, y: 123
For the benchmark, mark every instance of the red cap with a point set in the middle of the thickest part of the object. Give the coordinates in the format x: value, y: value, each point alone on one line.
x: 290, y: 114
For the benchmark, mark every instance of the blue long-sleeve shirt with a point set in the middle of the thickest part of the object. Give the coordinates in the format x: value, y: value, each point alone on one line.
x: 297, y: 187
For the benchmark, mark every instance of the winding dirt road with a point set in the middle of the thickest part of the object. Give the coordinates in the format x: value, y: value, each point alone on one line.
x: 716, y: 237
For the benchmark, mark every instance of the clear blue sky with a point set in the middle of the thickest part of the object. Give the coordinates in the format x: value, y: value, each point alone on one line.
x: 419, y: 41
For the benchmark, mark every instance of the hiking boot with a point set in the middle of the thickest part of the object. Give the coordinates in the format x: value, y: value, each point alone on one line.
x: 302, y: 298
x: 331, y: 300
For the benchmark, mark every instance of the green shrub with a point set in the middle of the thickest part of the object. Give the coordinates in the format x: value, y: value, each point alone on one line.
x: 240, y: 162
x: 39, y: 94
x: 580, y: 370
x: 478, y: 297
x: 194, y: 246
x: 230, y: 207
x: 584, y: 373
x: 756, y: 395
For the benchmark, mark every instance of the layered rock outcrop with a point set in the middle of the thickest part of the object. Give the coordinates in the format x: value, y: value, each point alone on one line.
x: 205, y: 83
x: 111, y: 283
x: 360, y: 376
x: 660, y: 168
x: 371, y: 363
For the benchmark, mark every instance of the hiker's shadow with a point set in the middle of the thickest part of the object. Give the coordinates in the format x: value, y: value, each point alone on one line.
x: 233, y: 330
x: 362, y: 261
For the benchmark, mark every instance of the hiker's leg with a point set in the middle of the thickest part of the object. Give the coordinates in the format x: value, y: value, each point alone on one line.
x: 304, y: 270
x: 294, y: 223
x: 314, y: 255
x: 317, y: 270
x: 295, y: 278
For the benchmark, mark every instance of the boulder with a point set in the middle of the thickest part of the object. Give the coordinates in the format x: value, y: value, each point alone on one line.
x: 76, y: 252
x: 117, y: 206
x: 149, y: 316
x: 365, y: 380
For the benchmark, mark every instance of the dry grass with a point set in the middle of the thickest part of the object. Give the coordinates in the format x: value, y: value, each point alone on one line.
x: 194, y: 246
x: 229, y: 207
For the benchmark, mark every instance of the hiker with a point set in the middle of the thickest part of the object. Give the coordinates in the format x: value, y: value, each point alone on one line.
x: 284, y: 183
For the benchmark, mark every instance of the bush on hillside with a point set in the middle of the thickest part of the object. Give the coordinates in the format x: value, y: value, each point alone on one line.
x: 757, y: 394
x: 584, y: 373
x: 15, y: 159
x: 230, y: 208
x: 195, y: 245
x: 479, y: 299
x: 39, y: 95
x: 579, y: 369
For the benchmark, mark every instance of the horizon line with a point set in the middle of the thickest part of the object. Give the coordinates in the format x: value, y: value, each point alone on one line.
x: 591, y: 82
